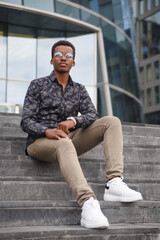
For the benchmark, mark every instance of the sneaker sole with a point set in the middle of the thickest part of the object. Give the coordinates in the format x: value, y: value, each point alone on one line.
x: 97, y: 226
x: 112, y: 198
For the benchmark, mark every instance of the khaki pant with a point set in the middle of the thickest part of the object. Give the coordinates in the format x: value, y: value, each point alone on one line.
x: 107, y: 129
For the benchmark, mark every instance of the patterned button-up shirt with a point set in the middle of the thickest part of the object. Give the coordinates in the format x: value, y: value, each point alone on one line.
x: 46, y: 104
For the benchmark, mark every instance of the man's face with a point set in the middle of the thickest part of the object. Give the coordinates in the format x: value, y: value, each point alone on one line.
x: 62, y: 64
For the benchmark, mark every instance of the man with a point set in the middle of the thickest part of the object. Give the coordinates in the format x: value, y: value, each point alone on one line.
x: 56, y: 132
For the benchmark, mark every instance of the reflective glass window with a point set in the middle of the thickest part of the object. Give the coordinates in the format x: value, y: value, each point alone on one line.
x: 21, y: 54
x: 126, y: 108
x: 2, y: 90
x: 46, y: 5
x: 3, y: 45
x: 156, y: 70
x: 101, y: 107
x: 157, y: 94
x: 87, y: 17
x: 44, y: 67
x: 142, y: 75
x: 92, y: 93
x: 156, y: 3
x: 149, y: 97
x: 149, y: 5
x: 85, y: 56
x: 106, y: 9
x: 149, y: 73
x: 13, y: 1
x: 134, y: 8
x: 7, y: 108
x: 142, y: 94
x: 67, y: 10
x: 150, y: 36
x: 141, y: 6
x: 92, y: 4
x: 117, y: 12
x: 120, y: 61
x: 16, y: 92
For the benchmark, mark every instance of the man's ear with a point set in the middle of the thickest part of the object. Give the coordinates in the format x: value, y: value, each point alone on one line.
x: 51, y: 62
x: 73, y: 64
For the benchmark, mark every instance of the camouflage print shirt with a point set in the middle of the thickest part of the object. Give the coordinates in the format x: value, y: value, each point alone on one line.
x: 46, y: 104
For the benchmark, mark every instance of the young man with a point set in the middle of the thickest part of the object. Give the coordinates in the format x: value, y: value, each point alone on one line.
x: 57, y: 133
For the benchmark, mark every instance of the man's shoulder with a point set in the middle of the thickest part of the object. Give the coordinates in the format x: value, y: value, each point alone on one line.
x: 79, y: 85
x: 41, y: 81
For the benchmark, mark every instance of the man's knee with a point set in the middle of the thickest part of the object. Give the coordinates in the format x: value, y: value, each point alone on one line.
x: 111, y: 121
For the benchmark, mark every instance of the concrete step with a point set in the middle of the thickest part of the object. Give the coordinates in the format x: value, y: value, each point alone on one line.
x: 8, y: 121
x: 138, y: 135
x: 26, y: 189
x: 115, y: 232
x: 16, y: 146
x: 45, y: 213
x: 13, y: 120
x: 94, y: 170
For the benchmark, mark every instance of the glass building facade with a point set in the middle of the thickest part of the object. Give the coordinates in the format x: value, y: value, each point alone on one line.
x: 103, y: 34
x: 148, y: 51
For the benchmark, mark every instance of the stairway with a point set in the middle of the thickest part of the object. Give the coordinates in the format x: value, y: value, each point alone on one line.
x: 36, y: 204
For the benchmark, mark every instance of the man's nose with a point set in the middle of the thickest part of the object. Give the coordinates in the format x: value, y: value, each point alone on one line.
x: 63, y: 57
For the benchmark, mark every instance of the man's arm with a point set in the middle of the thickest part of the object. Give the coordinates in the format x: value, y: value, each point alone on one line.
x: 29, y: 122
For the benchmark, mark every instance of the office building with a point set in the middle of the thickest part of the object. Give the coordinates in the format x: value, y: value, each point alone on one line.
x: 103, y: 34
x: 148, y: 52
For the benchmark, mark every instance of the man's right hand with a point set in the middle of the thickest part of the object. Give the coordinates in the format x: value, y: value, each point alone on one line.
x: 55, y: 134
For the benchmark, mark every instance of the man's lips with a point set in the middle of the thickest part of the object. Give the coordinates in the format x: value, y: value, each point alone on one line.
x: 63, y: 64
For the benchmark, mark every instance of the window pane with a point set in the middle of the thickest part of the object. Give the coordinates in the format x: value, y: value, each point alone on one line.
x: 92, y: 93
x: 156, y: 3
x: 46, y: 5
x: 149, y: 5
x: 21, y: 56
x: 67, y: 10
x: 13, y: 1
x: 2, y: 53
x: 157, y: 94
x: 149, y: 73
x: 149, y: 36
x: 16, y: 92
x: 101, y: 103
x: 149, y: 97
x: 142, y: 76
x: 44, y: 56
x: 156, y: 70
x: 85, y: 56
x: 2, y: 90
x: 87, y: 17
x: 141, y: 6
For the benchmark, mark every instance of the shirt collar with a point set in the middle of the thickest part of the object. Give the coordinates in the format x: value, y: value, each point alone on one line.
x: 53, y: 78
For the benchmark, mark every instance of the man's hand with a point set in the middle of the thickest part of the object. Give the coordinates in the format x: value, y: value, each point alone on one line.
x: 66, y: 125
x: 55, y: 134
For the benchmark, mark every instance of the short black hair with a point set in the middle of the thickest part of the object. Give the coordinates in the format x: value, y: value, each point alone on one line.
x: 64, y: 43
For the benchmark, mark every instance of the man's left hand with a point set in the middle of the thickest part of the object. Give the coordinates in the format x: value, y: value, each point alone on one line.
x: 66, y: 125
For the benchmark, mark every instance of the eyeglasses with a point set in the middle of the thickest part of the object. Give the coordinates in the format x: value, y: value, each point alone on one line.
x: 59, y: 55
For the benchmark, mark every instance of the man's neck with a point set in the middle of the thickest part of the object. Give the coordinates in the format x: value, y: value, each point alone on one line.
x: 62, y: 78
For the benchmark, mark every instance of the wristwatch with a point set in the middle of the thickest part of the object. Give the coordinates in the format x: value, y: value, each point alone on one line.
x: 73, y: 119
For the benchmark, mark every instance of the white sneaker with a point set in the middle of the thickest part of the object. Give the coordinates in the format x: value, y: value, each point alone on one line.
x: 92, y: 216
x: 117, y: 190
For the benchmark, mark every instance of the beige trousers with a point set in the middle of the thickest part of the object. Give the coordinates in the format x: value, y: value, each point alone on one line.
x: 107, y: 129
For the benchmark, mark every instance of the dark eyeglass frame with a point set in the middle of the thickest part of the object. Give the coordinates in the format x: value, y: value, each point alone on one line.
x: 60, y: 55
